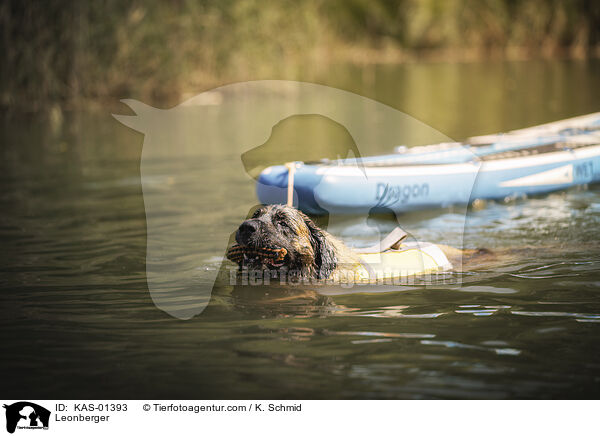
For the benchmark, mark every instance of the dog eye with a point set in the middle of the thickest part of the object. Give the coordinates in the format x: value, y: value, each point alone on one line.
x: 283, y: 223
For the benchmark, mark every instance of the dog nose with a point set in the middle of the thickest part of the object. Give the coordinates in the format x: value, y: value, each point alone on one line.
x: 246, y: 229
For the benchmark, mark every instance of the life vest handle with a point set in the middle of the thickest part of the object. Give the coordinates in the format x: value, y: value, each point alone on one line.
x: 391, y: 241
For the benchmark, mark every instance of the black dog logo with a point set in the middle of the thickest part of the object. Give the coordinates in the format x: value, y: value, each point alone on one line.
x: 26, y: 415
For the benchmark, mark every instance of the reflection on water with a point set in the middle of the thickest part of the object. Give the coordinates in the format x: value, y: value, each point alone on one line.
x: 77, y: 317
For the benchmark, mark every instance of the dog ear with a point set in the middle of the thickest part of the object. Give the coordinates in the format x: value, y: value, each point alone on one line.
x: 325, y: 258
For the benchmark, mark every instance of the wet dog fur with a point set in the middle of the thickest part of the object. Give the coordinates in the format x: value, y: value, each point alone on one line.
x: 309, y: 251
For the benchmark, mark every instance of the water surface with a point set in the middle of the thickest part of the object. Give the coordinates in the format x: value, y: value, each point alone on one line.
x: 78, y: 321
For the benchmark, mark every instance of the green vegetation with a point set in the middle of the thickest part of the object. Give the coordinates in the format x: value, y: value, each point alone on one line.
x: 65, y: 52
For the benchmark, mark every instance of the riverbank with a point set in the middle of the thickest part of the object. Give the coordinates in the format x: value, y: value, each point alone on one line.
x: 71, y: 54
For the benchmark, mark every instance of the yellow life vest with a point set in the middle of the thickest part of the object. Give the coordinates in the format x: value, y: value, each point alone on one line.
x: 409, y: 259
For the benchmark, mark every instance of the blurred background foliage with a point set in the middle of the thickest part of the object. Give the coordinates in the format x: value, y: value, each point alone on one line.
x: 65, y: 52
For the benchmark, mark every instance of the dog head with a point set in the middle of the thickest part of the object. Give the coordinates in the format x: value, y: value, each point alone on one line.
x: 281, y: 237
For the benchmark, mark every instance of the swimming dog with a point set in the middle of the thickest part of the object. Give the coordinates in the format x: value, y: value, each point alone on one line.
x: 280, y: 238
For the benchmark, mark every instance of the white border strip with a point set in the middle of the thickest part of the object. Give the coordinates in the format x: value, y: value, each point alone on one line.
x: 299, y: 417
